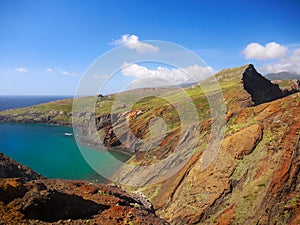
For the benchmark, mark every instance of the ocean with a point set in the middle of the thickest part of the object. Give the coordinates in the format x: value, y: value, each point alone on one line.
x: 18, y: 101
x: 49, y: 151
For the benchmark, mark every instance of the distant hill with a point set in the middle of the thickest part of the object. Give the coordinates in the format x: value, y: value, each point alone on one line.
x: 183, y: 85
x: 285, y: 75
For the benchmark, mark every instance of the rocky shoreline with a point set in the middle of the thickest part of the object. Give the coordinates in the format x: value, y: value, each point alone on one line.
x: 28, y: 198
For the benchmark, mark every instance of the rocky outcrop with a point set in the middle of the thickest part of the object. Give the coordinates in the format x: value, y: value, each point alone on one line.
x: 11, y: 169
x: 113, y: 130
x: 243, y: 142
x: 28, y: 198
x: 261, y: 89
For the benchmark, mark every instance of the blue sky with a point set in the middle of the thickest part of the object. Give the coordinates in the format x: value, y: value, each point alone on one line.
x: 46, y: 46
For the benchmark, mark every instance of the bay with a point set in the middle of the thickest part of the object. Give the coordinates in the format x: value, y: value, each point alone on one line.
x: 49, y: 151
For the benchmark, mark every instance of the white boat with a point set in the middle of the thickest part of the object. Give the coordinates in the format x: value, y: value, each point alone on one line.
x: 68, y: 134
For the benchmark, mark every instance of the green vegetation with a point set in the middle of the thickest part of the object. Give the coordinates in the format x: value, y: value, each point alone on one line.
x: 232, y: 126
x: 61, y: 105
x: 164, y: 105
x: 285, y: 84
x: 250, y: 176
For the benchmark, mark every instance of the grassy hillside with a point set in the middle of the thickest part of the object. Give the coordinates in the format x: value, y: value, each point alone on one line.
x: 228, y: 162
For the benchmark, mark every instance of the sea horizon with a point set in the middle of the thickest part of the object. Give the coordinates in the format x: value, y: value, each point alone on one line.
x: 19, y: 101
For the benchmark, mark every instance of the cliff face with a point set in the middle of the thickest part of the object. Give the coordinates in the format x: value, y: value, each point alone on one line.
x: 28, y: 198
x: 254, y: 179
x: 254, y: 175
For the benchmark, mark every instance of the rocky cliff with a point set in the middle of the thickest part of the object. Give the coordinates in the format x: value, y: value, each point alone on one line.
x: 28, y: 198
x: 254, y: 176
x: 248, y: 176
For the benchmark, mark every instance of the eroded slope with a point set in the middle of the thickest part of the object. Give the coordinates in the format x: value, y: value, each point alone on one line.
x: 254, y: 178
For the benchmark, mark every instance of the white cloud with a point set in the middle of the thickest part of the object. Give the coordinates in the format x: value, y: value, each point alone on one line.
x: 49, y: 70
x: 290, y: 63
x: 132, y: 42
x: 272, y: 50
x: 67, y: 73
x: 175, y: 76
x: 21, y: 70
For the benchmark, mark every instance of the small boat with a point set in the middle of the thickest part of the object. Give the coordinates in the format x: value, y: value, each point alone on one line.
x: 68, y: 134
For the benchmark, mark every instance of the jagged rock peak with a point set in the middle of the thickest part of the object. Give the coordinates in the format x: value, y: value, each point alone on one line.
x: 261, y: 89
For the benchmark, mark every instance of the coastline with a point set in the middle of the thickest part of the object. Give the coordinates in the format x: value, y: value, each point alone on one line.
x: 83, y: 141
x: 92, y: 144
x: 47, y: 149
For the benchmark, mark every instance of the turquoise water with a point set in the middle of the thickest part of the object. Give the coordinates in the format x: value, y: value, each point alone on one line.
x: 47, y: 150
